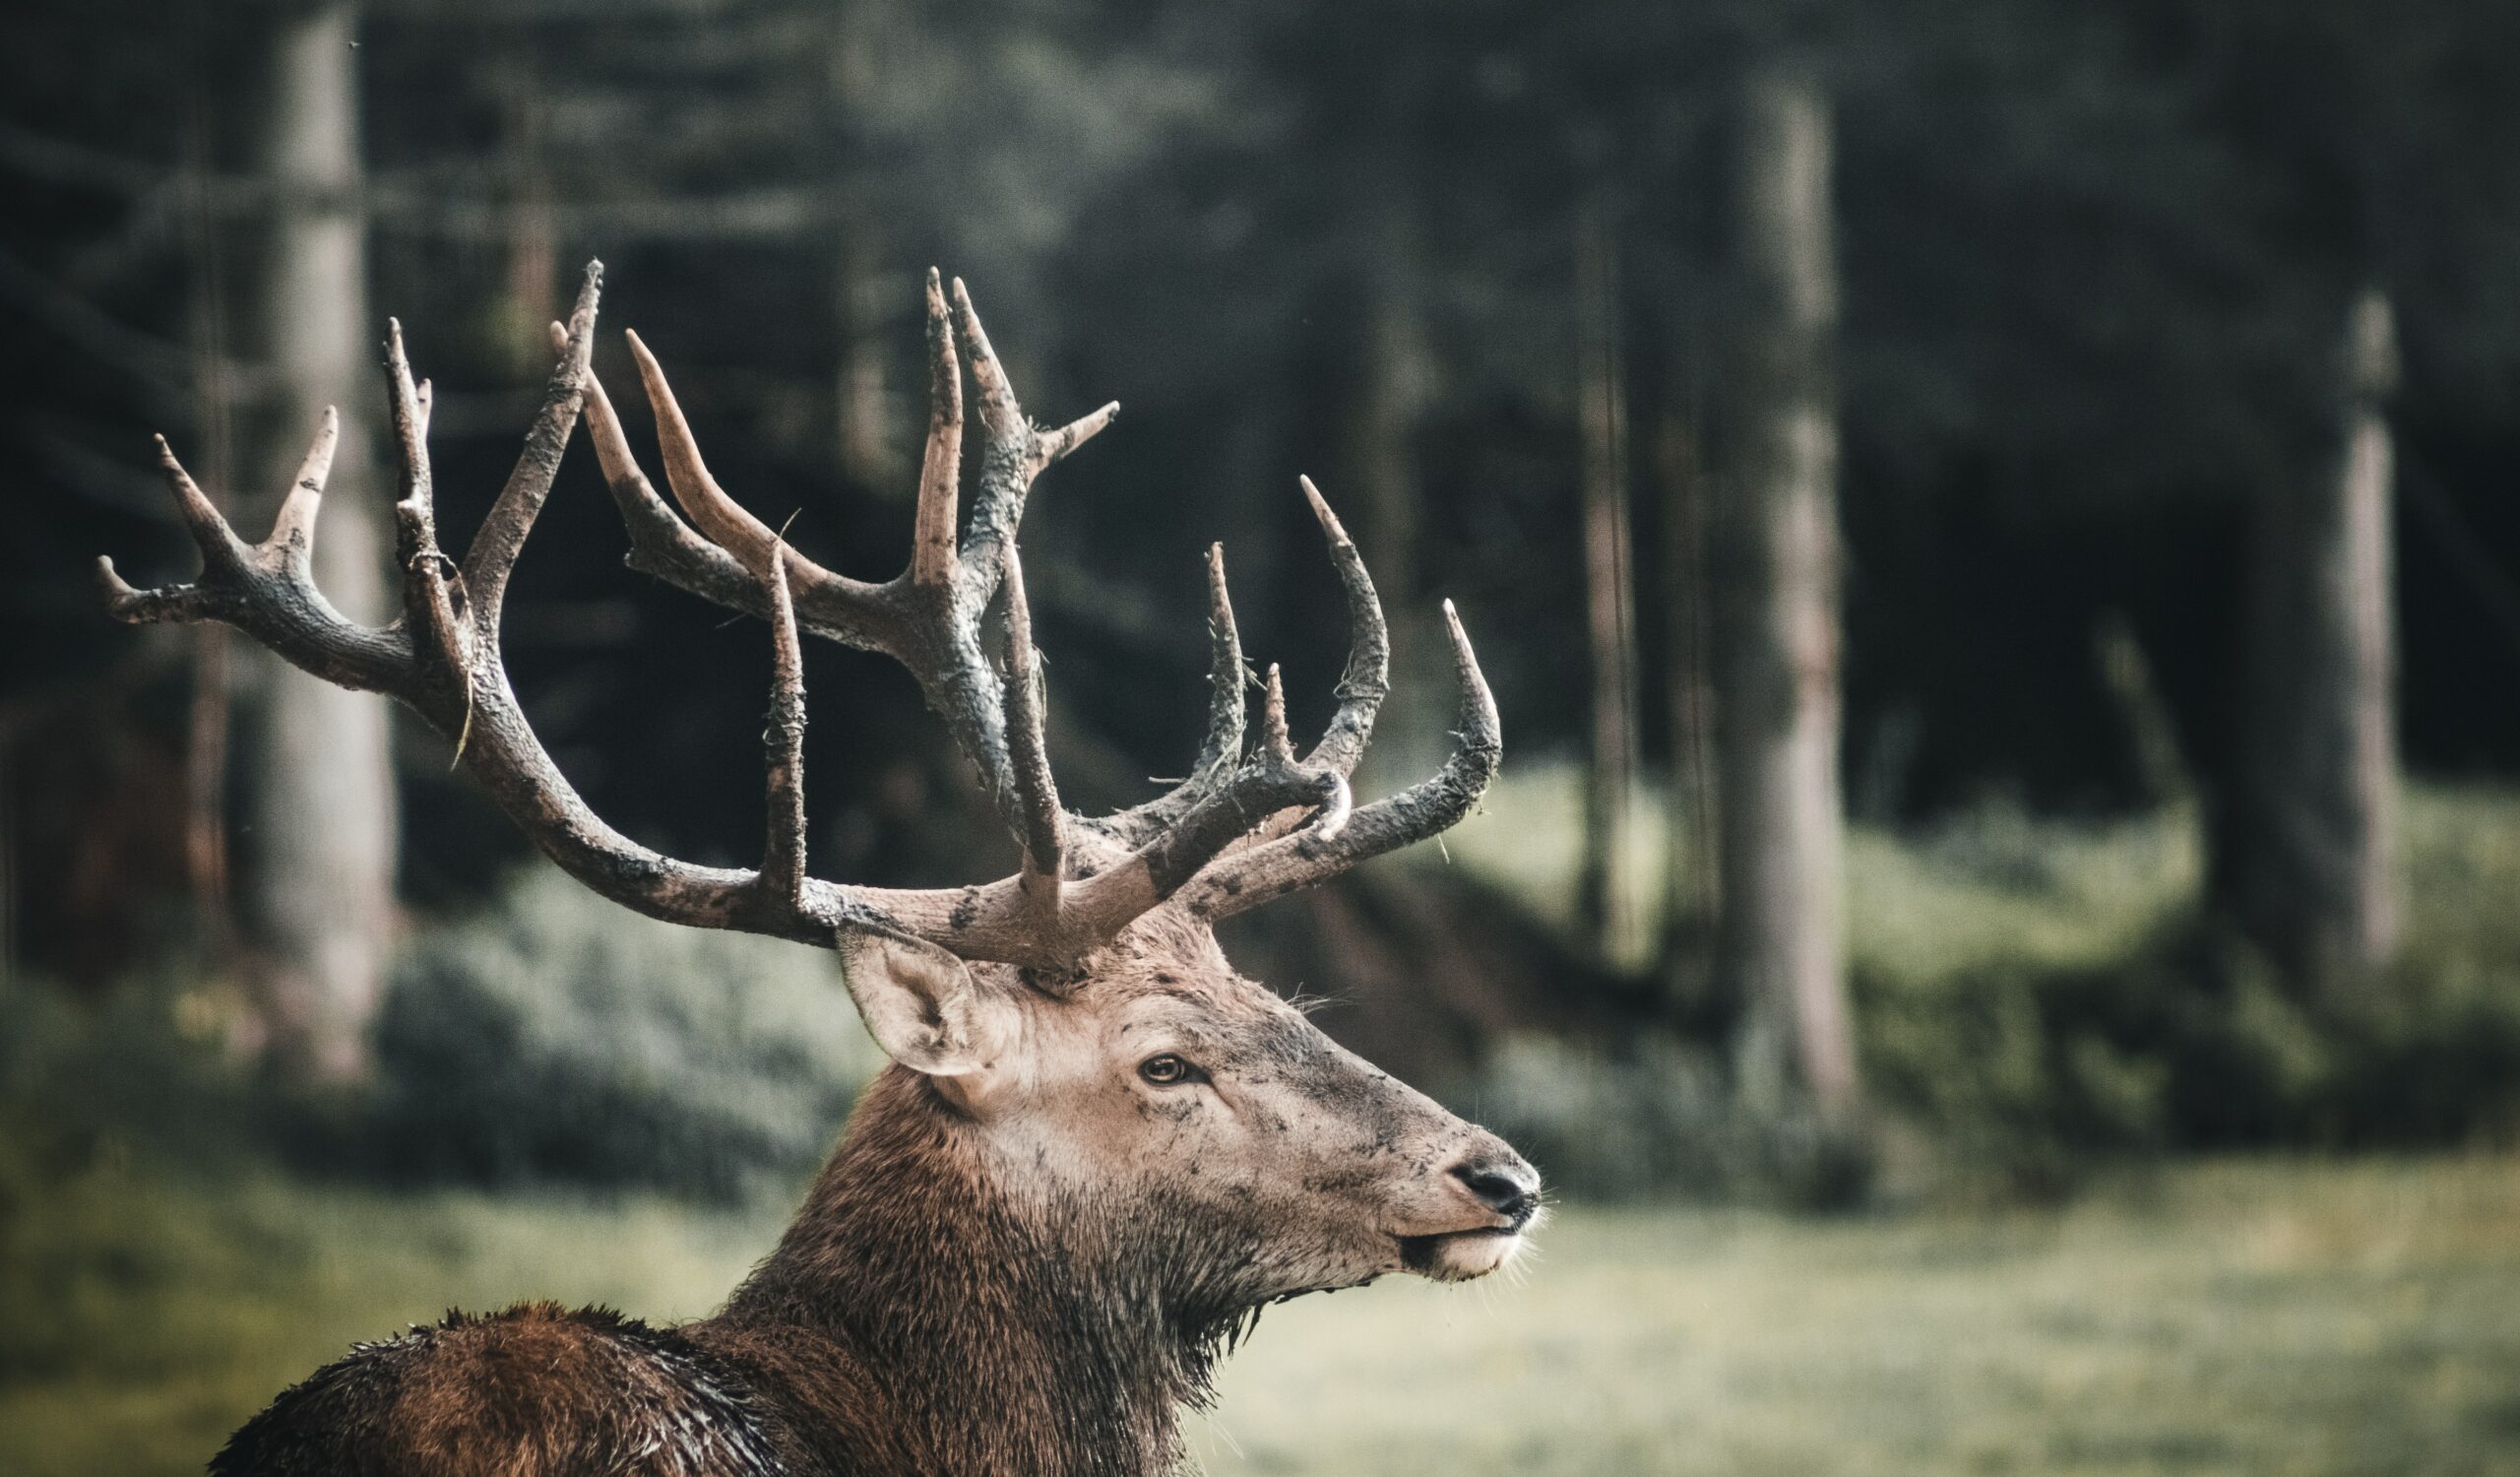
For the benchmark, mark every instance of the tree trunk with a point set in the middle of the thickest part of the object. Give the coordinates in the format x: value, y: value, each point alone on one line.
x: 316, y: 868
x: 210, y: 715
x: 862, y: 299
x: 1611, y: 906
x: 1777, y: 641
x: 532, y: 226
x: 861, y: 425
x: 2307, y: 861
x: 1692, y: 876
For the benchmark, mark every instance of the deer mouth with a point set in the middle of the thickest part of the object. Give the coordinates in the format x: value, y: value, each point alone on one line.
x: 1461, y: 1255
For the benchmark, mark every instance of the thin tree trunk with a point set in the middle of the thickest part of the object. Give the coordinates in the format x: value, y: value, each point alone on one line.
x: 1777, y: 652
x: 862, y: 298
x: 1609, y: 891
x: 1692, y: 877
x: 316, y: 885
x: 861, y: 426
x: 208, y: 718
x: 206, y: 783
x: 2307, y: 861
x: 534, y: 233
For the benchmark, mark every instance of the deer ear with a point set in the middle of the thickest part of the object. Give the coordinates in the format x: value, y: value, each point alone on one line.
x: 922, y: 1006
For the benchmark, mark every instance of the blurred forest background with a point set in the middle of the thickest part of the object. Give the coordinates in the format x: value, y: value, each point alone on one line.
x: 1990, y: 522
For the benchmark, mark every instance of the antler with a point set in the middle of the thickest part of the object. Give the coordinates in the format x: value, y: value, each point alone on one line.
x: 1082, y: 881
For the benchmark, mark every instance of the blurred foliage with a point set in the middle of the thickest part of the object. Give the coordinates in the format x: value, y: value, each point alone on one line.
x: 2163, y: 1032
x: 551, y: 1038
x: 1658, y: 1119
x: 556, y: 1038
x: 2037, y: 998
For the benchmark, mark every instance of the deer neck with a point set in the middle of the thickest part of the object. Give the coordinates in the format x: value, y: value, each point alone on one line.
x: 1015, y: 1327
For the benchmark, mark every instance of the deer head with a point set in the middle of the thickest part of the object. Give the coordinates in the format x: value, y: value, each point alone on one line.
x: 1072, y: 1030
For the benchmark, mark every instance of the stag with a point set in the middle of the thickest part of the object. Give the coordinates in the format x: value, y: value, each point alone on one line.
x: 1096, y: 1151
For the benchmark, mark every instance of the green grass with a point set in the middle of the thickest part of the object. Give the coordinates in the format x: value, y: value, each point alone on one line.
x: 143, y: 1317
x: 2288, y: 1317
x: 2226, y: 1318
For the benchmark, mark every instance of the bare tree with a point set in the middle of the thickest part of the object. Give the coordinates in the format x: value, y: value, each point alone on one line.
x: 2306, y: 860
x: 316, y: 867
x: 1777, y: 639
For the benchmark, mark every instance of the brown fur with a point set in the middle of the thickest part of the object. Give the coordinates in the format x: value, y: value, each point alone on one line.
x: 1027, y: 1270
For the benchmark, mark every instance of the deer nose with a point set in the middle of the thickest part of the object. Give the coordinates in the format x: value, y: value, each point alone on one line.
x: 1503, y: 1184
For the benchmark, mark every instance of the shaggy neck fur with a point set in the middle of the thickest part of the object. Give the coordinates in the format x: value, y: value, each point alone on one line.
x: 1012, y: 1331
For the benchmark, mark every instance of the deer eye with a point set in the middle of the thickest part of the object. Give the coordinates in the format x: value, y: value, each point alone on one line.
x: 1168, y: 1070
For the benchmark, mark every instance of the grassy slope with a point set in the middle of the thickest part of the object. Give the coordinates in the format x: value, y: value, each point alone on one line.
x: 2262, y: 1317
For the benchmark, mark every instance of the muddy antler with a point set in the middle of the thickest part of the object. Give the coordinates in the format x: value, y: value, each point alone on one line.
x: 1081, y: 880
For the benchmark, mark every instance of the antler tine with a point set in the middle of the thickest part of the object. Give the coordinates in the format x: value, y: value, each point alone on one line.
x: 428, y: 600
x: 265, y: 589
x: 940, y: 471
x: 1362, y: 686
x: 1283, y: 866
x: 719, y: 516
x: 221, y: 549
x: 293, y: 530
x: 1012, y: 451
x: 783, y: 742
x: 225, y: 559
x: 1036, y: 789
x: 1366, y: 681
x: 1225, y: 676
x: 501, y: 537
x: 1050, y: 446
x: 661, y: 542
x: 1272, y: 720
x: 164, y: 605
x: 1272, y: 782
x: 1223, y: 747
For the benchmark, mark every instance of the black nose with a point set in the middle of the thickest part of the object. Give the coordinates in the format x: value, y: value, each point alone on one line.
x: 1507, y: 1186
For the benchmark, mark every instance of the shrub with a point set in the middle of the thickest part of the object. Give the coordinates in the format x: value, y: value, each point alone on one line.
x: 2037, y: 997
x: 2188, y: 1042
x: 1657, y: 1117
x: 558, y: 1039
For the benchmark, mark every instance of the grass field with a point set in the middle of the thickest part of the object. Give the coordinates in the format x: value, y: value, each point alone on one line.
x: 2234, y: 1317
